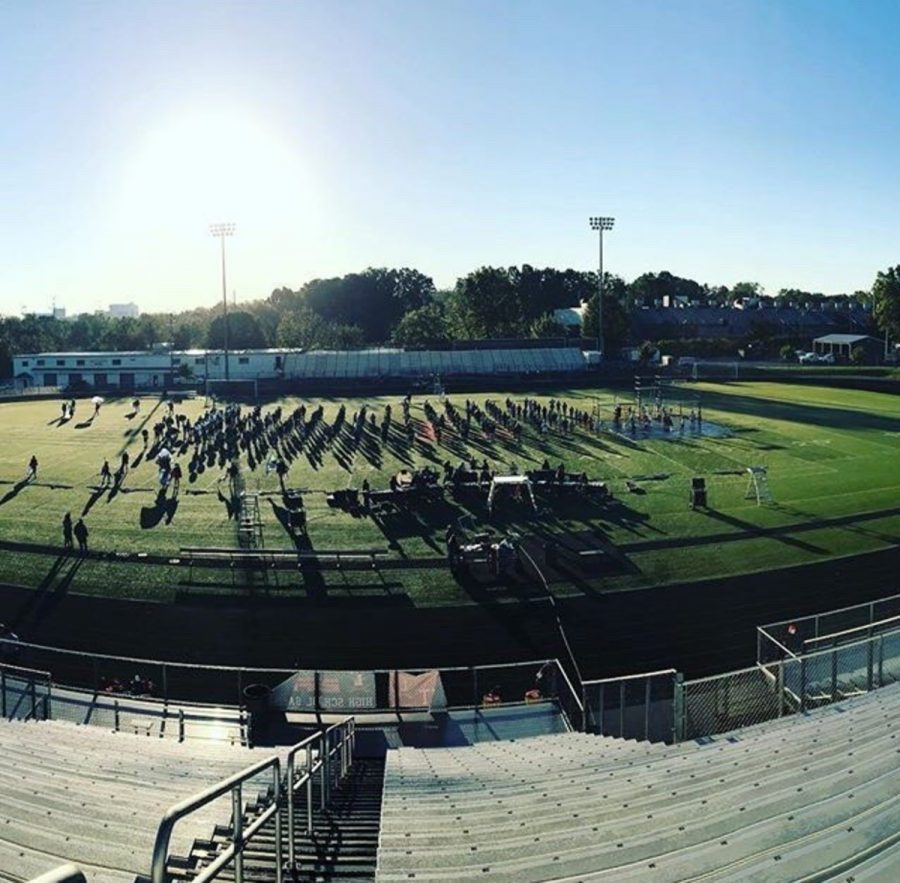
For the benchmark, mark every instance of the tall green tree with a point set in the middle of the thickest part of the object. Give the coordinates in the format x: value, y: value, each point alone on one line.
x: 615, y: 323
x: 244, y: 332
x: 486, y: 304
x: 886, y: 300
x: 422, y: 327
x: 547, y: 327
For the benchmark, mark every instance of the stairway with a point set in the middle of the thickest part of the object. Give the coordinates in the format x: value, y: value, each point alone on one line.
x: 343, y: 846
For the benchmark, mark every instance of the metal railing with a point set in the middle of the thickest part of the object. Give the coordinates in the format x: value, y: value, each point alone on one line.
x: 329, y: 753
x: 792, y: 683
x: 319, y: 758
x: 848, y: 636
x: 638, y: 706
x: 213, y: 685
x: 815, y: 630
x: 25, y: 693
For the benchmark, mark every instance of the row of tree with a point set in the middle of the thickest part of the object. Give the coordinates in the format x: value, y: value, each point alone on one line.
x: 403, y: 306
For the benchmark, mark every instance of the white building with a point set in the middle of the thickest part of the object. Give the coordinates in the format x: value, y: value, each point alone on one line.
x: 123, y: 370
x: 164, y: 368
x: 124, y: 311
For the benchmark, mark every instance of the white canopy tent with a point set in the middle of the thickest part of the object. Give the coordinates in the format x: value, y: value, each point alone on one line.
x: 512, y: 483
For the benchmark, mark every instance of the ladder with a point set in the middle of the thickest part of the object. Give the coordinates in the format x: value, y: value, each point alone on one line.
x: 250, y: 535
x: 758, y: 485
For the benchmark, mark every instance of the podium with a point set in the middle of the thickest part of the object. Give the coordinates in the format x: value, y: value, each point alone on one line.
x: 698, y: 493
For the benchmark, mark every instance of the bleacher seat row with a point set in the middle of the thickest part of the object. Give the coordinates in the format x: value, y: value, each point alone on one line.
x: 82, y: 794
x: 801, y: 795
x: 398, y: 363
x: 813, y: 797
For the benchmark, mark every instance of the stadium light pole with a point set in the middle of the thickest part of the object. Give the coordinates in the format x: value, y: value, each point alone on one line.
x: 600, y: 224
x: 223, y: 230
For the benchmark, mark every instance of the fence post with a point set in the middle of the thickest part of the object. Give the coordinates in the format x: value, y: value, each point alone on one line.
x: 181, y: 725
x: 33, y: 698
x: 396, y: 675
x: 48, y: 705
x: 647, y: 711
x: 165, y: 682
x: 3, y: 690
x: 621, y: 709
x: 276, y: 782
x: 678, y: 708
x: 870, y: 663
x: 116, y: 714
x: 475, y: 702
x: 584, y: 715
x: 309, y: 790
x: 803, y: 684
x: 323, y: 769
x: 779, y: 685
x: 237, y: 831
x: 834, y: 662
x: 602, y: 708
x: 881, y: 660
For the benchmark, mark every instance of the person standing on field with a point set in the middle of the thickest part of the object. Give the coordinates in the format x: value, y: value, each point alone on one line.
x: 81, y: 534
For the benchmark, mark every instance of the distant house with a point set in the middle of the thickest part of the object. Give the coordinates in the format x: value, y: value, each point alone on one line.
x: 842, y: 345
x: 651, y: 323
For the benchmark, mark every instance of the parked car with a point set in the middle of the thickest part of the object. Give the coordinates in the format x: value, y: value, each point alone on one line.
x: 808, y: 359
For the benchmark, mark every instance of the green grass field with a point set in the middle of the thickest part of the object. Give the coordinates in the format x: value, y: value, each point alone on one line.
x: 831, y: 454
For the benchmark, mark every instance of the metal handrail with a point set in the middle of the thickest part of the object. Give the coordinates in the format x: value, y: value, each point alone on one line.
x: 859, y: 628
x: 32, y: 672
x: 29, y: 678
x: 832, y: 611
x: 239, y: 838
x: 311, y: 767
x: 578, y: 701
x: 67, y: 873
x: 241, y: 668
x: 323, y: 763
x: 646, y: 674
x: 761, y: 631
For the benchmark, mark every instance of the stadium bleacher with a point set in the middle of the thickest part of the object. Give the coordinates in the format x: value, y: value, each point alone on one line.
x: 72, y: 793
x: 445, y: 363
x: 815, y: 793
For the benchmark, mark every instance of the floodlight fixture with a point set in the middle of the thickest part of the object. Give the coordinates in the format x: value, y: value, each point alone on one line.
x: 221, y: 231
x: 600, y: 223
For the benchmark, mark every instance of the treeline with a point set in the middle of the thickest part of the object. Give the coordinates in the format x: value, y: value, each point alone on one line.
x: 387, y: 306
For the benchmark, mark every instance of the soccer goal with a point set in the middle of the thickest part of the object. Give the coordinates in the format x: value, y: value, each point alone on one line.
x: 758, y: 485
x: 715, y: 370
x: 227, y: 390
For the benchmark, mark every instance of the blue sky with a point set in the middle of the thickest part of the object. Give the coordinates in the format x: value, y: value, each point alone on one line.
x: 731, y: 141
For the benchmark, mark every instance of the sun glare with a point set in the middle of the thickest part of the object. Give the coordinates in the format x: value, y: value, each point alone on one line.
x: 203, y: 165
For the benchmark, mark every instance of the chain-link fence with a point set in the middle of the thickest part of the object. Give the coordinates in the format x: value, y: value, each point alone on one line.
x: 632, y: 707
x: 726, y: 702
x: 792, y: 683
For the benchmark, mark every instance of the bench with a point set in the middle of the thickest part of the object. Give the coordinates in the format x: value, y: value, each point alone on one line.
x: 262, y: 559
